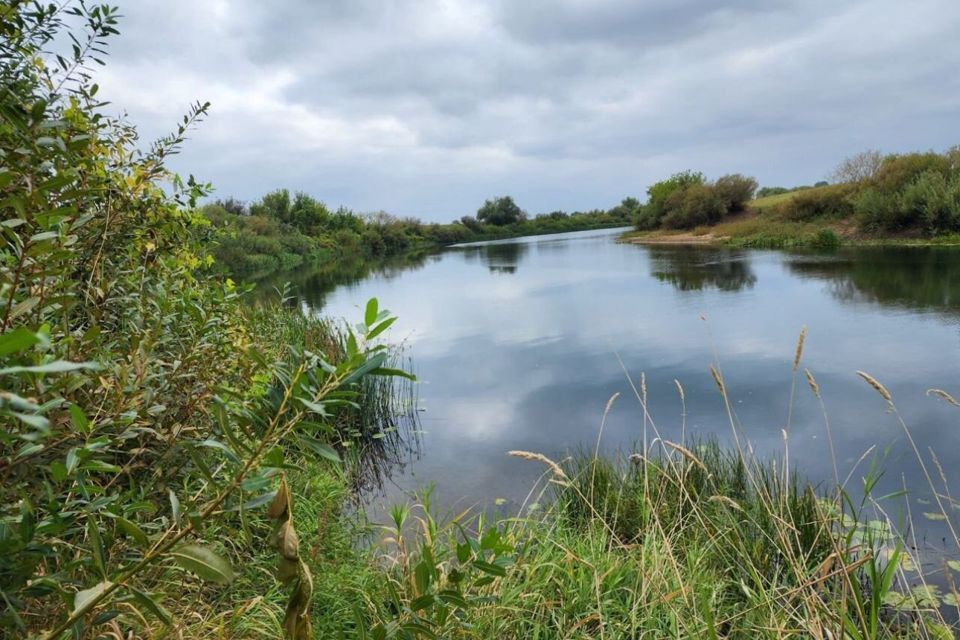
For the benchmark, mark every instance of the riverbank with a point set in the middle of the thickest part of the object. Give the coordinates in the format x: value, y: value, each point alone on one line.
x: 686, y: 542
x: 767, y: 228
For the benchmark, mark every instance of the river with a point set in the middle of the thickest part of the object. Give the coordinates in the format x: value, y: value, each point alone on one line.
x: 520, y: 344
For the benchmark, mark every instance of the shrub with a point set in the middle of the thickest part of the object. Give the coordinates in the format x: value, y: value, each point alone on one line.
x: 693, y: 206
x: 826, y: 239
x: 930, y: 202
x: 735, y: 190
x: 764, y: 192
x: 897, y: 171
x: 833, y: 201
x: 652, y: 213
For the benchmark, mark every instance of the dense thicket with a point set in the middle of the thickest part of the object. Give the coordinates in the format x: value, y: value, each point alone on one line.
x: 147, y: 414
x: 687, y: 200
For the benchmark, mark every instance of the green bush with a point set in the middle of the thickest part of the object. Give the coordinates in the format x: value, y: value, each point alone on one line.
x: 735, y: 190
x: 696, y: 205
x: 652, y: 213
x: 824, y: 202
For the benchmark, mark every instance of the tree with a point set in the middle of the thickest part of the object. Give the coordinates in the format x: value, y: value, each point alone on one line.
x: 859, y: 167
x: 735, y: 190
x: 652, y: 213
x: 500, y: 211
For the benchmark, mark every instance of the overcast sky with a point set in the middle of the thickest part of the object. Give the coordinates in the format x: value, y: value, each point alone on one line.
x: 428, y: 108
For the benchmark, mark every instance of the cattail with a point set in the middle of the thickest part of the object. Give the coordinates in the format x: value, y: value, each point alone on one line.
x: 679, y: 389
x: 718, y: 379
x: 873, y: 382
x: 686, y: 454
x: 539, y: 457
x: 803, y: 336
x: 813, y: 383
x: 943, y: 395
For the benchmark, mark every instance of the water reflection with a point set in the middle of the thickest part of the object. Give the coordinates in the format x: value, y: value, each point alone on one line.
x: 309, y: 285
x: 698, y: 268
x: 917, y: 278
x: 529, y: 361
x: 499, y: 257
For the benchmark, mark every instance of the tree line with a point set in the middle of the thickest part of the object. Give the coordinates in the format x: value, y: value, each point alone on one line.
x: 283, y: 230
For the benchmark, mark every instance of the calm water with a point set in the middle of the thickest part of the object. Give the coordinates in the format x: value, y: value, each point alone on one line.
x: 518, y: 345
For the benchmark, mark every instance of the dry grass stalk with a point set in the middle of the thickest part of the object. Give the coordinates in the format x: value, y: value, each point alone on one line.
x: 796, y: 357
x: 686, y: 454
x: 539, y: 457
x: 730, y: 502
x: 873, y: 382
x: 943, y: 395
x: 812, y: 382
x: 718, y: 379
x: 679, y: 390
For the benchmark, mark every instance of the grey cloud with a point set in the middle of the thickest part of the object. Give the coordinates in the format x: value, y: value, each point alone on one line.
x: 425, y: 108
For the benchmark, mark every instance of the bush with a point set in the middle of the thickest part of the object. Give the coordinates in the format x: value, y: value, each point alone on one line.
x: 694, y: 206
x: 764, y: 192
x: 897, y: 171
x: 735, y: 190
x: 833, y: 202
x: 826, y: 239
x: 652, y: 213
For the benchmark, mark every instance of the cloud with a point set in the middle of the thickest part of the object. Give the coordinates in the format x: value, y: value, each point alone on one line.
x: 426, y: 108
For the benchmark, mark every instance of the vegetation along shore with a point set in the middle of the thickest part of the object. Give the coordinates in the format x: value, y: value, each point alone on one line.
x: 902, y: 199
x: 179, y: 460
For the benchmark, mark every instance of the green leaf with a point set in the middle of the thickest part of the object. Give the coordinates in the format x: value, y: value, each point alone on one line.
x: 395, y: 373
x: 422, y: 602
x: 96, y: 544
x: 492, y: 569
x: 372, y: 363
x: 322, y: 449
x: 370, y: 316
x: 147, y: 601
x: 215, y: 444
x: 380, y: 328
x: 17, y: 340
x: 203, y: 562
x: 60, y: 366
x: 175, y: 506
x: 451, y: 596
x: 84, y: 600
x: 78, y: 418
x: 133, y: 531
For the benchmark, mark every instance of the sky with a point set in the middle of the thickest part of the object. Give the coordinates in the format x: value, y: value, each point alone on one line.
x: 427, y: 108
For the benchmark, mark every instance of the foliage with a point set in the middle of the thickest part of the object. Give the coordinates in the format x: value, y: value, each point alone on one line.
x: 500, y: 211
x: 145, y: 415
x: 735, y: 190
x: 687, y: 200
x: 832, y: 201
x: 659, y: 193
x: 696, y: 205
